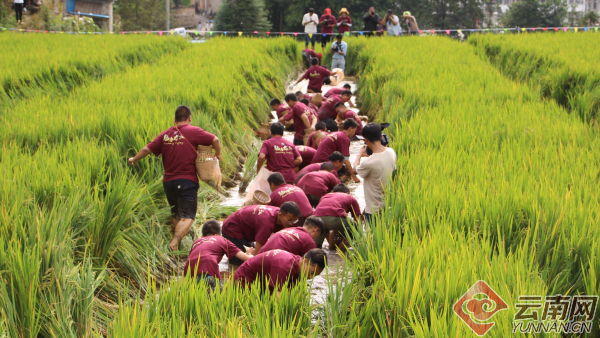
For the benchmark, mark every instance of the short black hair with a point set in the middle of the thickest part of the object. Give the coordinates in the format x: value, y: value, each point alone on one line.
x: 182, y: 113
x: 372, y: 132
x: 210, y: 228
x: 327, y: 166
x: 339, y: 36
x: 311, y: 10
x: 290, y: 97
x: 314, y: 61
x: 299, y: 93
x: 346, y: 92
x: 290, y: 207
x: 341, y: 188
x: 315, y: 222
x: 305, y: 101
x: 277, y: 128
x: 348, y: 86
x: 327, y: 81
x: 350, y: 123
x: 316, y: 256
x: 339, y: 104
x: 276, y: 178
x: 336, y: 156
x: 320, y: 126
x: 274, y: 101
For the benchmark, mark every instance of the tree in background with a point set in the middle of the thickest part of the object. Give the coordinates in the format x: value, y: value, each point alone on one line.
x: 533, y: 13
x: 243, y: 16
x: 589, y: 19
x: 141, y: 14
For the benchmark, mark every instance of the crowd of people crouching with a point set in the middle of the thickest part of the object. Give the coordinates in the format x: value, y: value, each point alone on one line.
x: 279, y: 243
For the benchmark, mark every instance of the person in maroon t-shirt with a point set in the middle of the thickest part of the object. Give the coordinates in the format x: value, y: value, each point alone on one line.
x: 177, y: 146
x: 315, y: 76
x: 338, y: 141
x: 327, y: 112
x: 298, y: 240
x: 344, y: 22
x: 309, y: 54
x: 302, y: 116
x: 338, y: 91
x: 307, y: 154
x: 345, y: 113
x: 318, y: 183
x: 333, y: 210
x: 207, y: 252
x: 312, y: 139
x: 310, y: 105
x: 336, y: 158
x: 256, y: 223
x: 282, y: 192
x: 275, y: 268
x: 327, y: 22
x: 279, y: 108
x: 281, y: 154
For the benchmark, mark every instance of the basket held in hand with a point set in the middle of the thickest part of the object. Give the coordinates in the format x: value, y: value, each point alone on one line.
x: 205, y: 163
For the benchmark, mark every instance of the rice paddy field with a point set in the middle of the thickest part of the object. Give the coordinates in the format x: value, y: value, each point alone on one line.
x: 497, y: 180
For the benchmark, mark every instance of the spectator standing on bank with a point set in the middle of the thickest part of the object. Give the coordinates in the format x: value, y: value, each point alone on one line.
x: 411, y: 23
x: 338, y: 51
x: 19, y: 11
x: 371, y: 20
x: 310, y: 22
x: 376, y: 170
x: 177, y: 146
x: 327, y: 23
x: 392, y: 24
x: 344, y: 22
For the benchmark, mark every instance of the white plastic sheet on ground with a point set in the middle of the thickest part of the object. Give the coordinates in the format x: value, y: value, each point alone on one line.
x: 259, y: 183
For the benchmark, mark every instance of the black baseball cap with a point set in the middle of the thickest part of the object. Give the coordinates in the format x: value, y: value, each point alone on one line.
x: 311, y: 10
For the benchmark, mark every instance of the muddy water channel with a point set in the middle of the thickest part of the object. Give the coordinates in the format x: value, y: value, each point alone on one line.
x: 320, y: 284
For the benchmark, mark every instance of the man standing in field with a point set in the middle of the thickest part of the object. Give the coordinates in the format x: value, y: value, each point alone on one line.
x: 376, y: 170
x: 411, y: 22
x: 281, y: 155
x: 327, y: 23
x: 277, y: 267
x: 177, y: 146
x: 315, y: 76
x: 310, y: 22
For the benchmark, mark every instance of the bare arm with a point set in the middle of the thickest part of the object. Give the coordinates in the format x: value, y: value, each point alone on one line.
x: 217, y: 146
x: 259, y: 162
x: 243, y: 256
x: 297, y: 161
x: 351, y: 171
x: 306, y: 121
x: 314, y: 122
x: 140, y: 155
x: 258, y: 246
x: 361, y: 153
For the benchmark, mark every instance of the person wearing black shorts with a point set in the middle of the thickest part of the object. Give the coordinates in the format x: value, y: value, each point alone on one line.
x: 177, y: 146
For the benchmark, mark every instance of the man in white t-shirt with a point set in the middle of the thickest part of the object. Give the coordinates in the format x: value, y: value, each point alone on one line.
x: 376, y: 170
x: 310, y: 22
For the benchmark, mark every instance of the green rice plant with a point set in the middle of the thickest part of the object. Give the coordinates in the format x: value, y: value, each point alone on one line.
x: 33, y: 63
x: 561, y: 67
x: 183, y: 307
x: 480, y: 158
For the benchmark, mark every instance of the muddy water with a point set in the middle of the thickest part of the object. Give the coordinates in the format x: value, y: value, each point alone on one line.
x: 320, y: 287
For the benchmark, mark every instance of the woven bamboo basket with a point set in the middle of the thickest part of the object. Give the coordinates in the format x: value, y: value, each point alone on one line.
x: 317, y: 100
x: 205, y: 163
x: 258, y: 198
x: 264, y: 131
